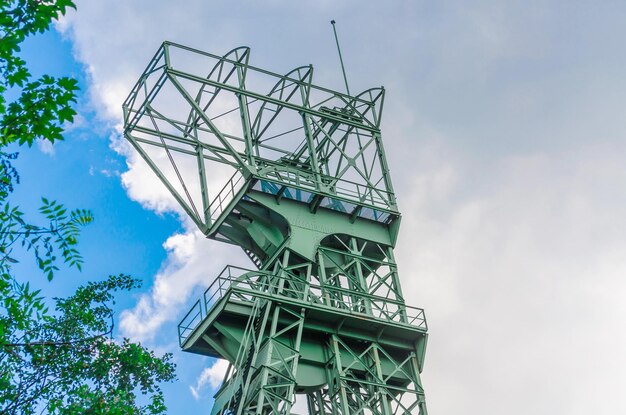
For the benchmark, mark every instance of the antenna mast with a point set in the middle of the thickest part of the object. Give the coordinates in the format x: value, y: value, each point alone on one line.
x: 343, y: 69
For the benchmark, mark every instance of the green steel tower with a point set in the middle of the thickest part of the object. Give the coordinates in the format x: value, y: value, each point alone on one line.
x: 296, y: 175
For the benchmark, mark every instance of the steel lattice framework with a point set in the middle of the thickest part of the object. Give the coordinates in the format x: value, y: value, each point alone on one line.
x: 296, y: 175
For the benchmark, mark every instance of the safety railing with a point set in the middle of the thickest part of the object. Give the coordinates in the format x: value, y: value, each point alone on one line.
x: 200, y: 308
x: 244, y: 286
x: 360, y: 193
x: 191, y: 320
x: 226, y: 195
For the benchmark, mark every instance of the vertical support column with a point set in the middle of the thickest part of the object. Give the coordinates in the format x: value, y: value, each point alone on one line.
x: 360, y: 277
x: 272, y: 385
x: 244, y: 113
x: 313, y: 161
x: 336, y: 385
x: 397, y: 287
x: 421, y: 397
x: 206, y: 202
x: 246, y: 356
x: 271, y: 378
x: 318, y: 403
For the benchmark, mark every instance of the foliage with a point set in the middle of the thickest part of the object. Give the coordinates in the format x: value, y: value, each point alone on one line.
x: 70, y: 362
x: 42, y: 105
x: 62, y: 231
x: 66, y: 361
x: 61, y: 361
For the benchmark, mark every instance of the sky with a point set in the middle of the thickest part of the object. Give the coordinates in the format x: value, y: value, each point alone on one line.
x: 504, y: 129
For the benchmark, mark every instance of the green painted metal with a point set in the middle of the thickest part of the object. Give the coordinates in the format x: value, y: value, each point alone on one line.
x: 295, y: 175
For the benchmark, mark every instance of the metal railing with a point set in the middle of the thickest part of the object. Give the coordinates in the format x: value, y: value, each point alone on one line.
x: 241, y: 285
x: 188, y: 324
x: 226, y: 195
x: 345, y: 189
x: 200, y: 308
x: 347, y: 193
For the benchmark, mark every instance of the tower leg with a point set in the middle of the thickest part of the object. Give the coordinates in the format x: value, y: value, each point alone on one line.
x: 272, y: 381
x: 370, y: 380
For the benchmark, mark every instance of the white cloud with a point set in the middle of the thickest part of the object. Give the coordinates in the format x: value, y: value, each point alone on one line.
x: 211, y: 376
x: 142, y: 186
x: 521, y: 282
x: 45, y: 147
x: 108, y: 173
x: 192, y: 262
